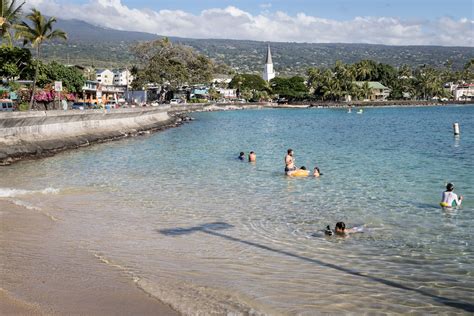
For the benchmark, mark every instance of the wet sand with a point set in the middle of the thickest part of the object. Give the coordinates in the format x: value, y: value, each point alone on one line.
x: 41, y: 275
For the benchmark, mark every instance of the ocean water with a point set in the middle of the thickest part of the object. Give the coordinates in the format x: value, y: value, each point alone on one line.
x: 208, y: 234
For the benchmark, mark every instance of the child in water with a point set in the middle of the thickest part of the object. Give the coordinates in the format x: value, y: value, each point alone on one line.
x: 449, y: 198
x: 242, y: 156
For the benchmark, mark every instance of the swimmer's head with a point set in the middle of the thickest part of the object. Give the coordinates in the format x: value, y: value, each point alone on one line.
x: 303, y: 168
x: 340, y: 227
x: 242, y: 153
x: 449, y: 187
x: 290, y: 151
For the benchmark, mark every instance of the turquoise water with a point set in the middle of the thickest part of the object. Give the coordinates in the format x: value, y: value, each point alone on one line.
x: 207, y: 233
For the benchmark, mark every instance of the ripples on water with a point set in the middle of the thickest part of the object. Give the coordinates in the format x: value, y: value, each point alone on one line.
x: 148, y: 205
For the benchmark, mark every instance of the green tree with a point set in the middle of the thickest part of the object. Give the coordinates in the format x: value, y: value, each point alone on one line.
x: 365, y: 70
x: 10, y: 13
x: 291, y: 88
x: 163, y: 62
x: 72, y: 78
x: 365, y: 90
x: 14, y: 61
x: 40, y: 31
x: 428, y: 83
x: 249, y: 82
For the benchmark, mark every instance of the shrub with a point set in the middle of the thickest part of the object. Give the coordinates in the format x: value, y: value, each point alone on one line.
x: 23, y: 107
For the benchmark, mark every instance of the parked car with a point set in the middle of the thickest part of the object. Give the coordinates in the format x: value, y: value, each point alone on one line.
x: 6, y: 105
x: 175, y: 101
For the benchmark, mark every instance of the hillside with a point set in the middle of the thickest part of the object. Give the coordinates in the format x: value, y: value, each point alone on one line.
x: 102, y: 47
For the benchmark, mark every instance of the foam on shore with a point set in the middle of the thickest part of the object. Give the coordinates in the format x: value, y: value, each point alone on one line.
x: 11, y: 192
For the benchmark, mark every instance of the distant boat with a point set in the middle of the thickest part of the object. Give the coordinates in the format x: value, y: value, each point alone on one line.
x: 349, y: 111
x: 360, y: 111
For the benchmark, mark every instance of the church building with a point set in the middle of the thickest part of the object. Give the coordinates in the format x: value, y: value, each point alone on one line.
x: 268, y: 72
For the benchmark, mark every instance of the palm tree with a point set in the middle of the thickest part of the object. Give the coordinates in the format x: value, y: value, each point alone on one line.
x: 363, y: 70
x: 365, y: 90
x: 9, y: 15
x: 41, y: 30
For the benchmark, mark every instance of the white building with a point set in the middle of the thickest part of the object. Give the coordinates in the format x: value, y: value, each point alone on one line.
x: 104, y: 76
x: 122, y: 77
x: 464, y: 92
x: 227, y: 93
x: 268, y: 72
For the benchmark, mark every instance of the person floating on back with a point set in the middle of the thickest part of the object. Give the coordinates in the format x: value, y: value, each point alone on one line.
x: 242, y: 156
x: 252, y: 157
x: 449, y: 198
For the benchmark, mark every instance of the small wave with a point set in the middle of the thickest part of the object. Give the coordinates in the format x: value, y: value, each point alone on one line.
x: 8, y: 192
x: 30, y: 207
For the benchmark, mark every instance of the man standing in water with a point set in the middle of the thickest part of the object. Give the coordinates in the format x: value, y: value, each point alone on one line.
x: 289, y: 162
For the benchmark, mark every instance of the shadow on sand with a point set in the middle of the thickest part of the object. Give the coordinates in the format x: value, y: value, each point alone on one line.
x: 214, y: 228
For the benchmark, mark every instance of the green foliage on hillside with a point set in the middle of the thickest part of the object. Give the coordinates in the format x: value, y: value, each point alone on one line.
x: 101, y: 47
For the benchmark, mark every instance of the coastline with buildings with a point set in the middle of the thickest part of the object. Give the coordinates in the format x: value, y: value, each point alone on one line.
x: 112, y: 204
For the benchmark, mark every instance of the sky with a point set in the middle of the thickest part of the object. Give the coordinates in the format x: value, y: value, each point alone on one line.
x: 396, y: 22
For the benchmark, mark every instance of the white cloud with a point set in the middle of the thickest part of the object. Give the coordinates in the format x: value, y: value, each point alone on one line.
x: 234, y: 23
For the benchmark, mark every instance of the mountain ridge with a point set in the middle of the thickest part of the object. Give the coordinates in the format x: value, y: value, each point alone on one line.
x: 100, y: 46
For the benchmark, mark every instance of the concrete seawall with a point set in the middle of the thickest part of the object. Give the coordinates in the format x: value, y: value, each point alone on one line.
x: 42, y: 133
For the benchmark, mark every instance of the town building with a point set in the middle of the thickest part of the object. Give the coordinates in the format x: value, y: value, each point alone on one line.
x: 268, y: 71
x: 227, y: 93
x: 464, y: 92
x: 104, y: 76
x: 122, y: 77
x: 379, y: 92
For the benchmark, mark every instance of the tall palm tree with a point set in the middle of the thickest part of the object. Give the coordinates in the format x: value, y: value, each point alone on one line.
x: 37, y: 33
x: 10, y: 12
x: 365, y: 90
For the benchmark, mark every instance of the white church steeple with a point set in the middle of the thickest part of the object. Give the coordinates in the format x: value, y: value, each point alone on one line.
x: 268, y: 72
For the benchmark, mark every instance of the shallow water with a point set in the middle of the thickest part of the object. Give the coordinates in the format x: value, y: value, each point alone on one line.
x: 195, y: 227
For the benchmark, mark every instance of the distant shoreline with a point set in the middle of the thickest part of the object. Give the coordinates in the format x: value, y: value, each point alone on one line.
x: 40, y: 134
x: 395, y: 103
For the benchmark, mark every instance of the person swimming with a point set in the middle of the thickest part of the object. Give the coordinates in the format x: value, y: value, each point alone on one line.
x: 341, y: 230
x: 242, y: 156
x: 316, y: 172
x: 449, y: 198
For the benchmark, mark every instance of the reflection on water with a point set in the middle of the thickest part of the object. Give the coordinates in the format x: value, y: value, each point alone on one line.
x: 457, y: 140
x: 206, y: 232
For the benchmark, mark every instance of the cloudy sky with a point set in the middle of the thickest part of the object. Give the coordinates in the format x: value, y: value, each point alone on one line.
x: 395, y: 22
